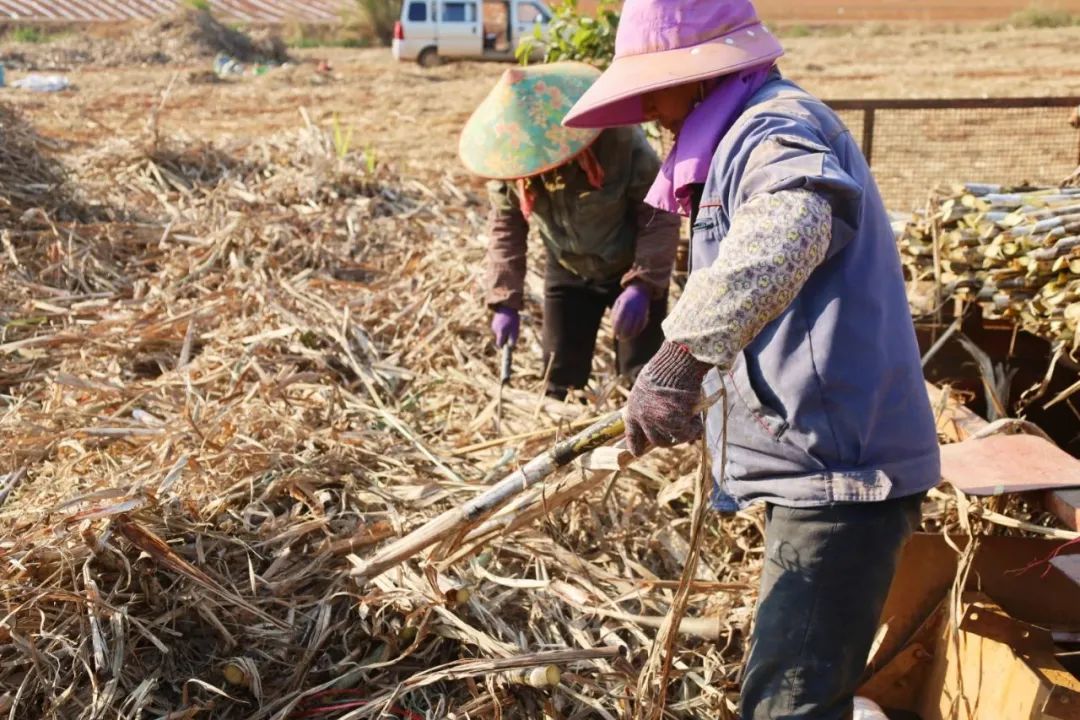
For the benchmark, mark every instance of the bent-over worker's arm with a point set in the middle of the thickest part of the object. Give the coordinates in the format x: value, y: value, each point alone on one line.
x: 774, y: 243
x: 657, y: 231
x: 654, y: 254
x: 507, y: 250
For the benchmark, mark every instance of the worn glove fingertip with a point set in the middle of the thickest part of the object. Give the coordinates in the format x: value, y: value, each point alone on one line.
x: 636, y: 442
x: 696, y: 429
x: 657, y: 439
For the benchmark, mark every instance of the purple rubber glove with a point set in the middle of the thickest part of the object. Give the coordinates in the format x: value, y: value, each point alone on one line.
x: 630, y: 313
x: 660, y: 411
x: 506, y: 324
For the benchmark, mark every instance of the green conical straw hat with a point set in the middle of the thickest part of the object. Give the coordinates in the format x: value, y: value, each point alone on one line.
x: 517, y: 130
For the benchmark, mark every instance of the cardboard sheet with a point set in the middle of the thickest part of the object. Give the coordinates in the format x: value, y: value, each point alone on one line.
x: 1008, y: 464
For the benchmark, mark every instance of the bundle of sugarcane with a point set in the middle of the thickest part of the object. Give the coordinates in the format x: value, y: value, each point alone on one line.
x: 1015, y: 252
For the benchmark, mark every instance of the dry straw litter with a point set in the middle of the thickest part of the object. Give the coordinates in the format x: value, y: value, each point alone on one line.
x: 186, y: 37
x: 229, y: 373
x: 250, y: 366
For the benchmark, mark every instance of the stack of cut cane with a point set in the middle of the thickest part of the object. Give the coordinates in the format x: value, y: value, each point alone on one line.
x: 1014, y: 252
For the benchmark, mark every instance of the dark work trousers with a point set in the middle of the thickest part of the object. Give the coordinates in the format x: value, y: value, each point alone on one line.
x: 573, y: 308
x: 826, y: 576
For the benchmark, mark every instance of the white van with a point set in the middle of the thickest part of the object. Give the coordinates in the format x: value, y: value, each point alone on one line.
x: 475, y: 29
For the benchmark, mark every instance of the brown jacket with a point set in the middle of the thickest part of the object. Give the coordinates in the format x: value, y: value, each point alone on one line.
x: 600, y: 234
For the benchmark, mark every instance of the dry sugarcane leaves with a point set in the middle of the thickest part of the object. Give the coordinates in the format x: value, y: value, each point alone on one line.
x: 274, y: 357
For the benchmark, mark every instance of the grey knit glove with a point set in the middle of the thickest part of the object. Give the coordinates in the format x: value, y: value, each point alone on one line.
x: 660, y: 411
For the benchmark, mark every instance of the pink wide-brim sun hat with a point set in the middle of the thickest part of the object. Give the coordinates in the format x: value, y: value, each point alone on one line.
x: 663, y: 43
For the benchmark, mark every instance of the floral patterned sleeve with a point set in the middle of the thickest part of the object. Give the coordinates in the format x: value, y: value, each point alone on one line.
x: 775, y: 242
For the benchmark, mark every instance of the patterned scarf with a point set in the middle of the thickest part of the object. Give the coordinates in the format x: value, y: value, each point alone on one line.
x: 588, y: 163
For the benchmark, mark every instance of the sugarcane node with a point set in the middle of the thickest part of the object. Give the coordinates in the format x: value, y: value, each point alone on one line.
x: 234, y: 674
x: 458, y: 596
x: 474, y: 512
x: 551, y: 675
x: 596, y: 435
x: 538, y: 677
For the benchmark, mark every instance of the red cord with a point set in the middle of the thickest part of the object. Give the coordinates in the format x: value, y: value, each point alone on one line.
x: 1044, y: 561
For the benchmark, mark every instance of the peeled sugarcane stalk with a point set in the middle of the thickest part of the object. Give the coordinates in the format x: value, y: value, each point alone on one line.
x: 539, y: 677
x: 526, y: 508
x: 605, y: 430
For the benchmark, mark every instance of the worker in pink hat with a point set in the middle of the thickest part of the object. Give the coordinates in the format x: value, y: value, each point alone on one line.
x: 796, y: 308
x: 584, y: 192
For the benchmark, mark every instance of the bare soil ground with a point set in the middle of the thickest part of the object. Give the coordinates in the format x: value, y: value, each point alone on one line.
x: 814, y: 11
x: 820, y: 11
x: 411, y: 117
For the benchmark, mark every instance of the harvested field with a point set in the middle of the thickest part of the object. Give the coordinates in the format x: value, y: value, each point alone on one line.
x: 906, y: 12
x: 391, y: 105
x: 264, y: 364
x: 185, y: 36
x: 239, y: 350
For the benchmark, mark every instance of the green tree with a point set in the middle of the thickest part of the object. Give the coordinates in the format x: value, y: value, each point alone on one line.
x: 379, y: 16
x: 573, y: 36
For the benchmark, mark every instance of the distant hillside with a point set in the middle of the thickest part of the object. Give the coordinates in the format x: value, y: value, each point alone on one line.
x: 258, y: 11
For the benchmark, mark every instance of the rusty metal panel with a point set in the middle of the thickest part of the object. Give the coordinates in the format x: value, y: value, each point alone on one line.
x: 926, y: 571
x: 995, y: 103
x: 959, y: 423
x: 894, y: 680
x: 1002, y: 464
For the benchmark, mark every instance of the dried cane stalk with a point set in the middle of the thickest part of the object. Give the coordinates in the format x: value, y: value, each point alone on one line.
x: 543, y: 466
x: 658, y: 669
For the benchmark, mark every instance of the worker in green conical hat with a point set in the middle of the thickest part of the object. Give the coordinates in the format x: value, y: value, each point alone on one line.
x: 583, y: 191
